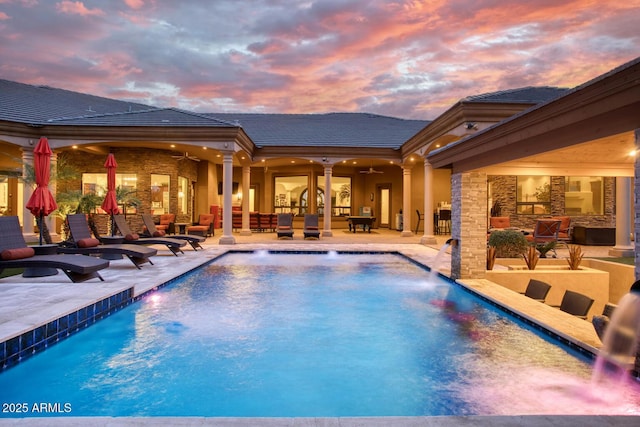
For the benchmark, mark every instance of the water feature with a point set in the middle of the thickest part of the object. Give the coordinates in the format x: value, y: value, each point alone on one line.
x: 310, y: 335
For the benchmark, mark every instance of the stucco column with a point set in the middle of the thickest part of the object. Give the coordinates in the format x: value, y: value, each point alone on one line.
x: 27, y: 222
x: 406, y: 202
x: 637, y: 202
x: 469, y: 225
x: 326, y: 231
x: 428, y: 238
x: 246, y: 181
x: 51, y: 220
x: 623, y: 245
x: 227, y: 185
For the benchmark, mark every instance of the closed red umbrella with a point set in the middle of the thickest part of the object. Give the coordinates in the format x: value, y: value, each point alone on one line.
x: 110, y: 204
x: 41, y: 203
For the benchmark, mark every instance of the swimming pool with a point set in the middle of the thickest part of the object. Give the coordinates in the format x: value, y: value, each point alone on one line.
x: 308, y: 335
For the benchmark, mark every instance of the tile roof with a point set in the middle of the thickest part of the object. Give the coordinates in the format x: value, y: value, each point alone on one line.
x: 32, y: 104
x: 331, y: 129
x: 152, y: 117
x: 525, y: 95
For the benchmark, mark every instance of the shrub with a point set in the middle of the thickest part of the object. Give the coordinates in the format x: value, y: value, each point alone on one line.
x: 508, y: 243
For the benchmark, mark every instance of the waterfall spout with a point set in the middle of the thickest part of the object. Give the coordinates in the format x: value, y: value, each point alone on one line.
x: 452, y: 242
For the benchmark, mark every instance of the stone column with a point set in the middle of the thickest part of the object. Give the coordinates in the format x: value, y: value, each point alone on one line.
x: 246, y: 181
x: 469, y: 225
x: 27, y: 222
x: 623, y: 247
x: 406, y: 202
x: 227, y: 185
x: 428, y: 238
x: 326, y: 232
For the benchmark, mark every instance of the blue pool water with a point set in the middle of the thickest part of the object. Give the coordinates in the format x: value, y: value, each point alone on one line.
x: 307, y: 335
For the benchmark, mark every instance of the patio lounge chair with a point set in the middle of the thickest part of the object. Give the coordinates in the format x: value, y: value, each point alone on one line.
x: 204, y: 226
x: 14, y: 253
x: 537, y: 290
x: 284, y: 228
x: 174, y: 245
x: 192, y: 239
x: 82, y: 243
x: 311, y: 230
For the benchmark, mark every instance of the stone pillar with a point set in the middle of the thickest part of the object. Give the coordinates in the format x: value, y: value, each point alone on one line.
x: 326, y: 231
x: 28, y: 220
x: 227, y: 185
x: 469, y: 225
x: 406, y: 202
x: 246, y: 181
x: 428, y: 238
x: 623, y: 247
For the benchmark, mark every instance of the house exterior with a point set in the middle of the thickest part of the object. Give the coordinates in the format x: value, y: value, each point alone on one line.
x: 531, y: 152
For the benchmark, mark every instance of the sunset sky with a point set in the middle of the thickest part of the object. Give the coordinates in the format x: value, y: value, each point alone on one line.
x: 410, y: 59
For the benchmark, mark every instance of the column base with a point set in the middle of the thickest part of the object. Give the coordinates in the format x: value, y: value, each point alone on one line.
x: 245, y: 232
x: 327, y: 233
x: 408, y: 233
x: 428, y: 240
x: 227, y: 240
x: 622, y: 251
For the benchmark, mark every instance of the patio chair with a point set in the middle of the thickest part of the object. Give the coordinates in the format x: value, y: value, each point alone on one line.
x: 311, y: 230
x: 82, y: 243
x: 284, y: 229
x: 204, y: 226
x: 499, y: 222
x: 419, y: 219
x: 537, y: 290
x: 192, y: 239
x: 174, y: 245
x: 444, y: 221
x: 166, y: 224
x: 14, y: 253
x: 564, y: 231
x: 576, y: 303
x: 546, y: 231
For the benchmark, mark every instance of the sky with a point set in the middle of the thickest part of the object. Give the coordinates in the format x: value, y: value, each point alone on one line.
x: 410, y: 59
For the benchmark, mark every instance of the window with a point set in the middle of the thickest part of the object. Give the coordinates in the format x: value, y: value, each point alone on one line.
x: 340, y: 195
x: 96, y: 183
x: 584, y: 195
x: 288, y: 192
x: 533, y: 195
x: 4, y: 196
x: 183, y: 195
x: 160, y: 193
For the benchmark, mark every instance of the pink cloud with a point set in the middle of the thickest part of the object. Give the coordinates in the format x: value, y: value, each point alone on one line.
x: 3, y: 16
x: 77, y: 8
x: 134, y: 4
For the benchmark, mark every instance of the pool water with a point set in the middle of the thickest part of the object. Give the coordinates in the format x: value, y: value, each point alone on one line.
x: 309, y: 335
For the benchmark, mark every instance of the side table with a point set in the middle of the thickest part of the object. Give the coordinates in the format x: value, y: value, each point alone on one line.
x: 182, y: 227
x: 111, y: 240
x: 51, y: 249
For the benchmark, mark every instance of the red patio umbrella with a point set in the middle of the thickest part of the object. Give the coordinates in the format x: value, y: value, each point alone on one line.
x: 110, y: 204
x: 41, y: 203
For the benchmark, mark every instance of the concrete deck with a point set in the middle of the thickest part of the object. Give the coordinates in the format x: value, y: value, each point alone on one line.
x: 27, y: 303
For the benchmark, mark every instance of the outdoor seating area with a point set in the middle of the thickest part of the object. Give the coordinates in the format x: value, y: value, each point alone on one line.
x: 15, y: 253
x: 174, y: 245
x: 151, y: 231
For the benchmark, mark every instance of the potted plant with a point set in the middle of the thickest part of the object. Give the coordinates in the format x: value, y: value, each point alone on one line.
x: 508, y: 243
x: 543, y: 248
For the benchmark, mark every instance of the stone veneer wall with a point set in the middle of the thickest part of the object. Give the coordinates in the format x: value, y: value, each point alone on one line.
x: 503, y: 190
x: 140, y: 161
x: 469, y: 225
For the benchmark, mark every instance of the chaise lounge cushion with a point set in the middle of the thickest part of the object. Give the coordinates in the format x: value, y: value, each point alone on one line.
x: 88, y: 243
x: 159, y: 233
x: 17, y: 253
x: 132, y: 236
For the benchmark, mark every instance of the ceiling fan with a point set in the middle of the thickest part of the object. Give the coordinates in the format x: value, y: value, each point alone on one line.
x: 371, y: 170
x: 187, y: 156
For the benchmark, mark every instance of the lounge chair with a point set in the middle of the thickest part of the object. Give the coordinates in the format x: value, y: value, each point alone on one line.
x: 204, y: 226
x: 576, y: 303
x: 14, y: 253
x: 192, y: 239
x: 82, y: 243
x: 546, y: 231
x: 311, y: 230
x: 537, y: 290
x: 174, y: 245
x: 284, y: 229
